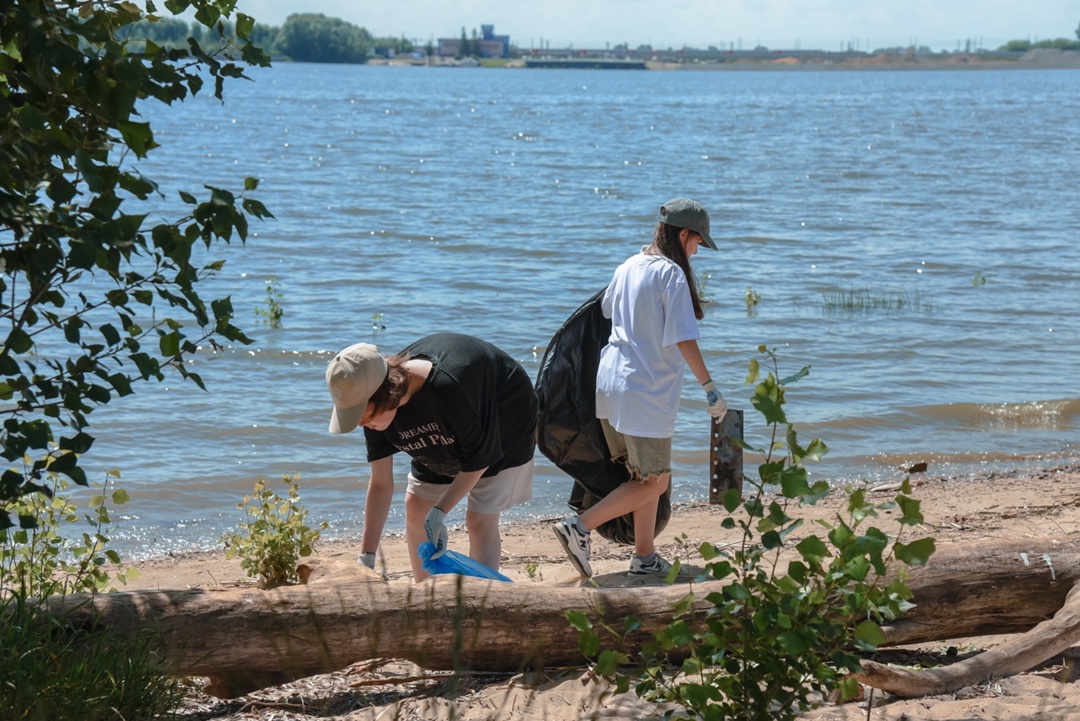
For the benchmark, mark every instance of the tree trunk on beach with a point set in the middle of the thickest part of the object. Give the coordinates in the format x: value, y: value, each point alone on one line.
x: 244, y: 639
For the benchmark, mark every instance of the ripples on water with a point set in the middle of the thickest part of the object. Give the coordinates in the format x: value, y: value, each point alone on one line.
x: 493, y: 202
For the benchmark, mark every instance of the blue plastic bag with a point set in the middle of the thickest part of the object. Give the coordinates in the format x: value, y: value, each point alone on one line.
x: 454, y: 562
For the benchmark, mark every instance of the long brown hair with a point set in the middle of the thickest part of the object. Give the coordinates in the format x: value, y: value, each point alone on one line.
x: 666, y: 242
x: 388, y: 396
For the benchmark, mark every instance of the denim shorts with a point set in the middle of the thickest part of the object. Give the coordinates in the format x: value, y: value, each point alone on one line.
x: 645, y: 457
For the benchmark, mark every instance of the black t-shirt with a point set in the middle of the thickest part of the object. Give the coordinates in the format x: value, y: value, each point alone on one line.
x: 477, y: 409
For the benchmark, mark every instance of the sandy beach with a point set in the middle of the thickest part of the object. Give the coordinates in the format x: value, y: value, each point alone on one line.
x: 1002, y: 506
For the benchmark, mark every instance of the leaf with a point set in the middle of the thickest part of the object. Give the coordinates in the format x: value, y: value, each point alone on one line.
x: 609, y: 661
x: 579, y: 620
x: 79, y: 443
x: 256, y: 208
x: 812, y: 549
x: 754, y: 372
x: 793, y: 643
x: 112, y: 336
x: 169, y: 343
x: 18, y: 342
x: 731, y: 499
x: 793, y: 378
x: 916, y: 553
x: 871, y: 633
x: 771, y: 540
x: 794, y: 482
x: 911, y: 510
x: 244, y: 25
x: 138, y: 136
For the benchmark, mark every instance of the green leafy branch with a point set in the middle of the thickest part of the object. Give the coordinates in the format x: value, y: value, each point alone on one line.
x: 71, y: 252
x: 783, y: 613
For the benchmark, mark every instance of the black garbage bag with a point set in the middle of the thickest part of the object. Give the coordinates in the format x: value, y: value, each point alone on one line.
x: 567, y: 430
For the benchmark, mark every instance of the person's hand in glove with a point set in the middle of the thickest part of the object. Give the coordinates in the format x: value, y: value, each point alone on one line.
x: 435, y: 527
x: 717, y: 404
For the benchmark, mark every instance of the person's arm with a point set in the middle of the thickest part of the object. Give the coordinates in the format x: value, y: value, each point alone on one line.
x: 380, y: 494
x: 691, y: 353
x: 435, y: 523
x: 463, y: 483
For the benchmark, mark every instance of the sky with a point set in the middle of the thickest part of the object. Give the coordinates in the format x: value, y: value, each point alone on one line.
x: 739, y: 24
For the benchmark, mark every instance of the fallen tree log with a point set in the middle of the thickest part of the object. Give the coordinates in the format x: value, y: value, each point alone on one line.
x: 244, y: 639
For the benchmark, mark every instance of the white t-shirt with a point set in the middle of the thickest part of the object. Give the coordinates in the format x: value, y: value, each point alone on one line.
x: 639, y: 381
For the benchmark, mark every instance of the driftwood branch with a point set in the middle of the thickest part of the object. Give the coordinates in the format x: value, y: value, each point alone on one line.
x: 1047, y: 640
x: 244, y: 639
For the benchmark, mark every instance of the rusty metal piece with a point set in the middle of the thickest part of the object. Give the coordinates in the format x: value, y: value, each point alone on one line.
x: 725, y: 455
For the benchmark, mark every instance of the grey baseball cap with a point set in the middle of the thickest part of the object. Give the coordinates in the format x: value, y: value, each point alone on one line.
x: 689, y: 214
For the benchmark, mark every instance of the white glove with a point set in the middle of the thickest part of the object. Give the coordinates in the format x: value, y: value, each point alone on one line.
x: 367, y: 558
x: 717, y: 404
x: 435, y: 528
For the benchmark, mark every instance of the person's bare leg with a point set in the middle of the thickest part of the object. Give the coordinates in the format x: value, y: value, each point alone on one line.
x: 645, y: 518
x: 416, y: 510
x: 627, y: 498
x: 485, y: 542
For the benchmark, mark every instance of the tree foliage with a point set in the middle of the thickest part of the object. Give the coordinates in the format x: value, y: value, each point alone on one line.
x: 1020, y: 46
x: 315, y: 38
x: 173, y: 33
x: 93, y: 298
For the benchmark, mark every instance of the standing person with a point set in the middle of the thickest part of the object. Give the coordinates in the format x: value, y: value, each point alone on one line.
x: 654, y: 307
x: 465, y: 412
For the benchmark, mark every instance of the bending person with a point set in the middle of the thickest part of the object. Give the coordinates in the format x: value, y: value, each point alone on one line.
x: 654, y: 306
x: 465, y: 412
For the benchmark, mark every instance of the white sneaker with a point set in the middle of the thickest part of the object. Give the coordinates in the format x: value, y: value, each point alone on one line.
x: 639, y: 568
x: 578, y: 545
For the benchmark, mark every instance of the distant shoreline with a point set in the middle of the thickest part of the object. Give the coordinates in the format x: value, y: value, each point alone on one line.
x: 1041, y: 59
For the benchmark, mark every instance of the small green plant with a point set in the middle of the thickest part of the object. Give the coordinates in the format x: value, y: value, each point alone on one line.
x: 272, y: 309
x: 979, y: 279
x: 274, y: 534
x: 43, y: 561
x: 752, y: 297
x: 704, y: 292
x: 794, y: 608
x: 532, y: 570
x: 865, y: 301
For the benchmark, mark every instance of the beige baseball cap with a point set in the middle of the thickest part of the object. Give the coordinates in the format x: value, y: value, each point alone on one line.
x: 353, y: 376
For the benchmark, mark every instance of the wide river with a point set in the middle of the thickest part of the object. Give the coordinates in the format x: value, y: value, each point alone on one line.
x: 493, y: 202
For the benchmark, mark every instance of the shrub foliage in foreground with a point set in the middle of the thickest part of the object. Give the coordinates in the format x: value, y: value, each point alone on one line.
x: 93, y: 298
x: 274, y: 534
x: 51, y: 670
x: 797, y: 605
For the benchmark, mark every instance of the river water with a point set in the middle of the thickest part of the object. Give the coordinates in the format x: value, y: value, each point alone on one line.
x: 493, y: 202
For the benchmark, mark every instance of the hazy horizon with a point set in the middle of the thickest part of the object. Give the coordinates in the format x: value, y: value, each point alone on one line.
x: 777, y: 24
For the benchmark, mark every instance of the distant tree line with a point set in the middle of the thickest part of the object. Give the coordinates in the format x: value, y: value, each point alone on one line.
x: 1058, y: 44
x: 304, y: 37
x: 315, y: 38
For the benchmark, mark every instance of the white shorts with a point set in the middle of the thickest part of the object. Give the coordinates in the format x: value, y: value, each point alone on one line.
x: 491, y: 495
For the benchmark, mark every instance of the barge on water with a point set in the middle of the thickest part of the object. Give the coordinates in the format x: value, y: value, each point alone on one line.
x: 590, y: 63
